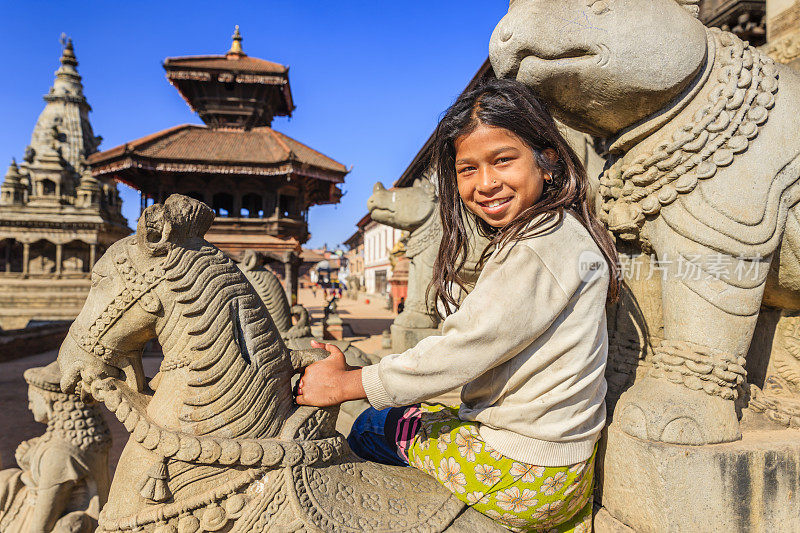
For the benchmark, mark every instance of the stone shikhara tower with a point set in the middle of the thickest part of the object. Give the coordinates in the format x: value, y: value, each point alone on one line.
x: 55, y: 218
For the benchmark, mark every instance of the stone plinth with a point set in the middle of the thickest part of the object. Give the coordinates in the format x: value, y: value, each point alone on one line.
x: 404, y: 338
x: 333, y: 328
x: 749, y: 485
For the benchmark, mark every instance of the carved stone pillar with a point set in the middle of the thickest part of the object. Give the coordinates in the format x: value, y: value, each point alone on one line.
x: 59, y: 256
x: 26, y: 255
x: 92, y: 255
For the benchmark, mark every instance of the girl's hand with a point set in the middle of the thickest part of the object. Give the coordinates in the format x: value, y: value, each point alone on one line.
x: 330, y: 381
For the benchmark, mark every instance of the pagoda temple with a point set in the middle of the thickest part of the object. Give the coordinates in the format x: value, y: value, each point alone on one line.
x: 56, y: 219
x: 259, y: 181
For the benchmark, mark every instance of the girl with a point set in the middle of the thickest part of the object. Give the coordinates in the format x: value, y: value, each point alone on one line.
x: 528, y: 343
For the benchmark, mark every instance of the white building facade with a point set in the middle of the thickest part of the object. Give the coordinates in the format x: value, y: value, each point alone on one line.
x: 379, y: 240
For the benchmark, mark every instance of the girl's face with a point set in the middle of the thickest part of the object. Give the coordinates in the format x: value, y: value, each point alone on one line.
x: 497, y: 175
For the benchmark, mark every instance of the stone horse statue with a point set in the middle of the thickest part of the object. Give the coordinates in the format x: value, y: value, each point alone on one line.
x: 219, y: 444
x: 704, y: 159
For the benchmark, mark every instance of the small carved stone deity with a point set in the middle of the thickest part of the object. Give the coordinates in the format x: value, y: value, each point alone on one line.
x: 63, y: 478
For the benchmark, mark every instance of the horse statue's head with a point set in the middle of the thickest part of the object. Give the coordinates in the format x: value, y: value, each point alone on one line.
x: 405, y: 208
x: 602, y: 65
x: 224, y: 361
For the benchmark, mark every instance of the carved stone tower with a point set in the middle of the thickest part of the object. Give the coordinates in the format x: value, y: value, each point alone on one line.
x: 55, y: 218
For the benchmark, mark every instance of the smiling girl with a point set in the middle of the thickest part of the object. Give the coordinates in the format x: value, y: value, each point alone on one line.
x: 528, y: 343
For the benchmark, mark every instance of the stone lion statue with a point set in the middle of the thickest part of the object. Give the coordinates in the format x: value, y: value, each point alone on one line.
x: 63, y: 477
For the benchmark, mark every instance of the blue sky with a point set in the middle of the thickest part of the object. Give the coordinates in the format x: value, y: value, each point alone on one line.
x: 369, y: 78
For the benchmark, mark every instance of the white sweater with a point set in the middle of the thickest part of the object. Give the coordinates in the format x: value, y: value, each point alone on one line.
x: 529, y: 344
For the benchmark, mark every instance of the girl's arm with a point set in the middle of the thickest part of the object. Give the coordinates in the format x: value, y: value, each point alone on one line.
x: 515, y: 301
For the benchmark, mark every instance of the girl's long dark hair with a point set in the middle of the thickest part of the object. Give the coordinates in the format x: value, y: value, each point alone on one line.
x: 511, y: 105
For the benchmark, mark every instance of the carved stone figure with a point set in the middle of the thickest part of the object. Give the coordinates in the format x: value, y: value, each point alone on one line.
x: 269, y: 289
x: 701, y: 192
x: 415, y: 209
x: 273, y: 295
x: 63, y: 478
x: 219, y: 445
x: 412, y: 209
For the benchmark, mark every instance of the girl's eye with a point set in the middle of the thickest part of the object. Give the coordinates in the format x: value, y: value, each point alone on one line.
x: 464, y: 170
x: 501, y: 160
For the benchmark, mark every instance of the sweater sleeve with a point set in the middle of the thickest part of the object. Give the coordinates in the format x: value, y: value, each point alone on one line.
x: 515, y: 300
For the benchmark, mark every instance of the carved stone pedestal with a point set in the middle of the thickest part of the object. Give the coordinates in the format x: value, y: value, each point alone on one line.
x: 332, y: 328
x: 405, y: 338
x: 750, y: 485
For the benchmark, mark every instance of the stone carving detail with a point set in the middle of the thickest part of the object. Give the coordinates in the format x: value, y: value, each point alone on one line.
x: 63, y: 478
x: 301, y: 328
x: 219, y: 445
x: 737, y: 106
x: 701, y: 192
x: 780, y: 398
x: 785, y: 49
x: 269, y: 289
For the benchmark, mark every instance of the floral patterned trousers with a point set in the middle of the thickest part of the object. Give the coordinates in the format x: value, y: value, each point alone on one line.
x: 517, y: 495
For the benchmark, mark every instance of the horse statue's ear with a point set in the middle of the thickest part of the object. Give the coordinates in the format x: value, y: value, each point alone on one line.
x: 180, y: 218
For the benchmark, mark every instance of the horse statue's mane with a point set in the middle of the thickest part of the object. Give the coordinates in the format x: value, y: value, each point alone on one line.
x: 239, y: 363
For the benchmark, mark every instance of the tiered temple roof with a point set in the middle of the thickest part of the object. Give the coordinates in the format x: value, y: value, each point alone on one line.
x: 260, y: 182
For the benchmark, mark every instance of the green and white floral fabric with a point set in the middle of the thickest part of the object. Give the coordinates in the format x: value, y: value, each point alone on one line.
x: 519, y: 496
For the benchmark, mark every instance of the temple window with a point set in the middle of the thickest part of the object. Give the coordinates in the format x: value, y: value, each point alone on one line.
x: 42, y: 258
x: 76, y: 258
x: 252, y: 206
x: 10, y: 256
x: 288, y: 206
x: 222, y: 204
x: 48, y: 187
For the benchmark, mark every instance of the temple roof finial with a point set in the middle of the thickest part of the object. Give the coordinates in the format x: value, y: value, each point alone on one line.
x: 68, y: 54
x: 13, y: 175
x: 236, y: 45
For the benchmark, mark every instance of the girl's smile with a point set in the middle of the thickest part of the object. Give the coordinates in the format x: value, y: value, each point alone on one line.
x: 497, y: 174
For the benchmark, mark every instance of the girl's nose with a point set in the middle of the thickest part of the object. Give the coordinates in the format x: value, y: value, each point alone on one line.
x: 487, y: 182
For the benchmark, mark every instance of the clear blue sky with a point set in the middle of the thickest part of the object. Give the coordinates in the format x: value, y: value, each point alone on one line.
x: 369, y: 78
